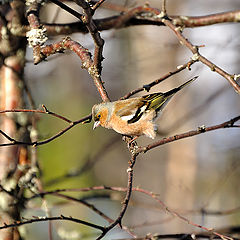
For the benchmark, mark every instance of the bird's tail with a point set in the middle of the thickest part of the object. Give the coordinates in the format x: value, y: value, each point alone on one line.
x: 160, y: 100
x: 175, y: 90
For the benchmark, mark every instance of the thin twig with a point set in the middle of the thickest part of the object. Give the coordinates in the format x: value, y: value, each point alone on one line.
x: 45, y: 219
x: 134, y: 19
x: 125, y: 201
x: 93, y: 30
x: 196, y: 55
x: 200, y: 130
x: 68, y: 9
x: 97, y: 5
x: 46, y: 111
x: 150, y: 194
x: 134, y: 189
x: 148, y: 86
x: 37, y: 143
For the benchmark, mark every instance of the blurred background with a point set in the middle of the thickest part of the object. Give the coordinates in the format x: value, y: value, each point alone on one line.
x: 196, y: 173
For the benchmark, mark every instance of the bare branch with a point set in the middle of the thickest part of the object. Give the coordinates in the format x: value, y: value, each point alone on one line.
x: 97, y: 5
x: 68, y: 9
x: 200, y: 130
x: 85, y: 57
x: 37, y: 143
x: 198, y: 56
x: 37, y: 34
x: 126, y: 199
x: 45, y: 219
x: 134, y: 19
x: 147, y: 87
x: 92, y: 28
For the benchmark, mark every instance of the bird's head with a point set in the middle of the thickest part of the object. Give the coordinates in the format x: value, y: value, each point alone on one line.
x: 100, y: 115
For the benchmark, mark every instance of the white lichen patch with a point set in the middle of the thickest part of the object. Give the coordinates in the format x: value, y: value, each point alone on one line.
x: 29, y: 180
x: 37, y: 37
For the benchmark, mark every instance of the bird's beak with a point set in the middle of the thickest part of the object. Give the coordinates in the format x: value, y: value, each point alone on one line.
x: 96, y: 124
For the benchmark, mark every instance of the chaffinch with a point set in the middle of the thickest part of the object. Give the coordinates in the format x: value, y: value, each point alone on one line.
x: 134, y: 116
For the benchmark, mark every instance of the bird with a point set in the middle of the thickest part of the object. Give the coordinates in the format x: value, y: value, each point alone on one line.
x: 134, y: 116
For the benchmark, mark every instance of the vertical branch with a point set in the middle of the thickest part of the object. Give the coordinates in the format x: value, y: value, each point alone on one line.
x: 12, y: 50
x: 126, y: 199
x: 37, y: 34
x: 11, y: 97
x: 98, y: 41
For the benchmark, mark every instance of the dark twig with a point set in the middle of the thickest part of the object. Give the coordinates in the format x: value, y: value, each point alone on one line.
x: 45, y: 219
x: 147, y: 87
x: 200, y: 130
x: 196, y: 111
x: 197, y: 56
x: 68, y: 9
x: 189, y: 236
x: 126, y: 199
x: 90, y: 206
x: 150, y: 194
x: 37, y: 143
x: 46, y: 111
x: 97, y: 5
x: 87, y: 20
x: 111, y: 22
x: 92, y: 28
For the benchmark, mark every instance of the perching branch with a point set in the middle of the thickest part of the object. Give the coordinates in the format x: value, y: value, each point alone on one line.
x: 200, y: 130
x: 126, y: 199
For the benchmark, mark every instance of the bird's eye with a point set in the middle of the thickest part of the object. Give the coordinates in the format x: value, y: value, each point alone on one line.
x: 97, y: 117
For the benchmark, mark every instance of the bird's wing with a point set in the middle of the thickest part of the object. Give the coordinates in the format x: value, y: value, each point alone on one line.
x: 133, y: 109
x: 130, y: 110
x: 155, y: 101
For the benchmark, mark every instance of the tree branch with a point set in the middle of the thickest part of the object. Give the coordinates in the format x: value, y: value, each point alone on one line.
x: 200, y: 130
